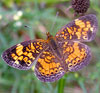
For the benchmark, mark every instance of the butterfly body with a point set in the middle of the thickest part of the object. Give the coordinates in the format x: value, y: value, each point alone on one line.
x: 53, y: 44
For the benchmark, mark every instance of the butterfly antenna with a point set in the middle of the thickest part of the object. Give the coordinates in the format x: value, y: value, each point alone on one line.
x: 54, y: 21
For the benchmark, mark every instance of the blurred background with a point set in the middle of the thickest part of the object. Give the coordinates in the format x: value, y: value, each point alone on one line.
x: 21, y: 20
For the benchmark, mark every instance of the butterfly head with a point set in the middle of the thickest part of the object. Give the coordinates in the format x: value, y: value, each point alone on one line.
x: 49, y: 36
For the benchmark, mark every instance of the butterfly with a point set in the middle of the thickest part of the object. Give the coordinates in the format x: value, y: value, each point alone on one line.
x: 57, y: 55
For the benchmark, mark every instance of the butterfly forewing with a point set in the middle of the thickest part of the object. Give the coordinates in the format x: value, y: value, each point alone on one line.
x: 23, y: 55
x: 81, y: 29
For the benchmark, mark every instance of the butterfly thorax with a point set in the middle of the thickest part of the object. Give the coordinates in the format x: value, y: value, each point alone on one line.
x: 53, y: 44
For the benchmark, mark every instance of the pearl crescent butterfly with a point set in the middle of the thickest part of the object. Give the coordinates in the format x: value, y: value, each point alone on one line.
x: 56, y: 55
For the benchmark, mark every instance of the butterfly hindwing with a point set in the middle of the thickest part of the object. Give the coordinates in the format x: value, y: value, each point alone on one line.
x: 48, y: 67
x: 75, y: 55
